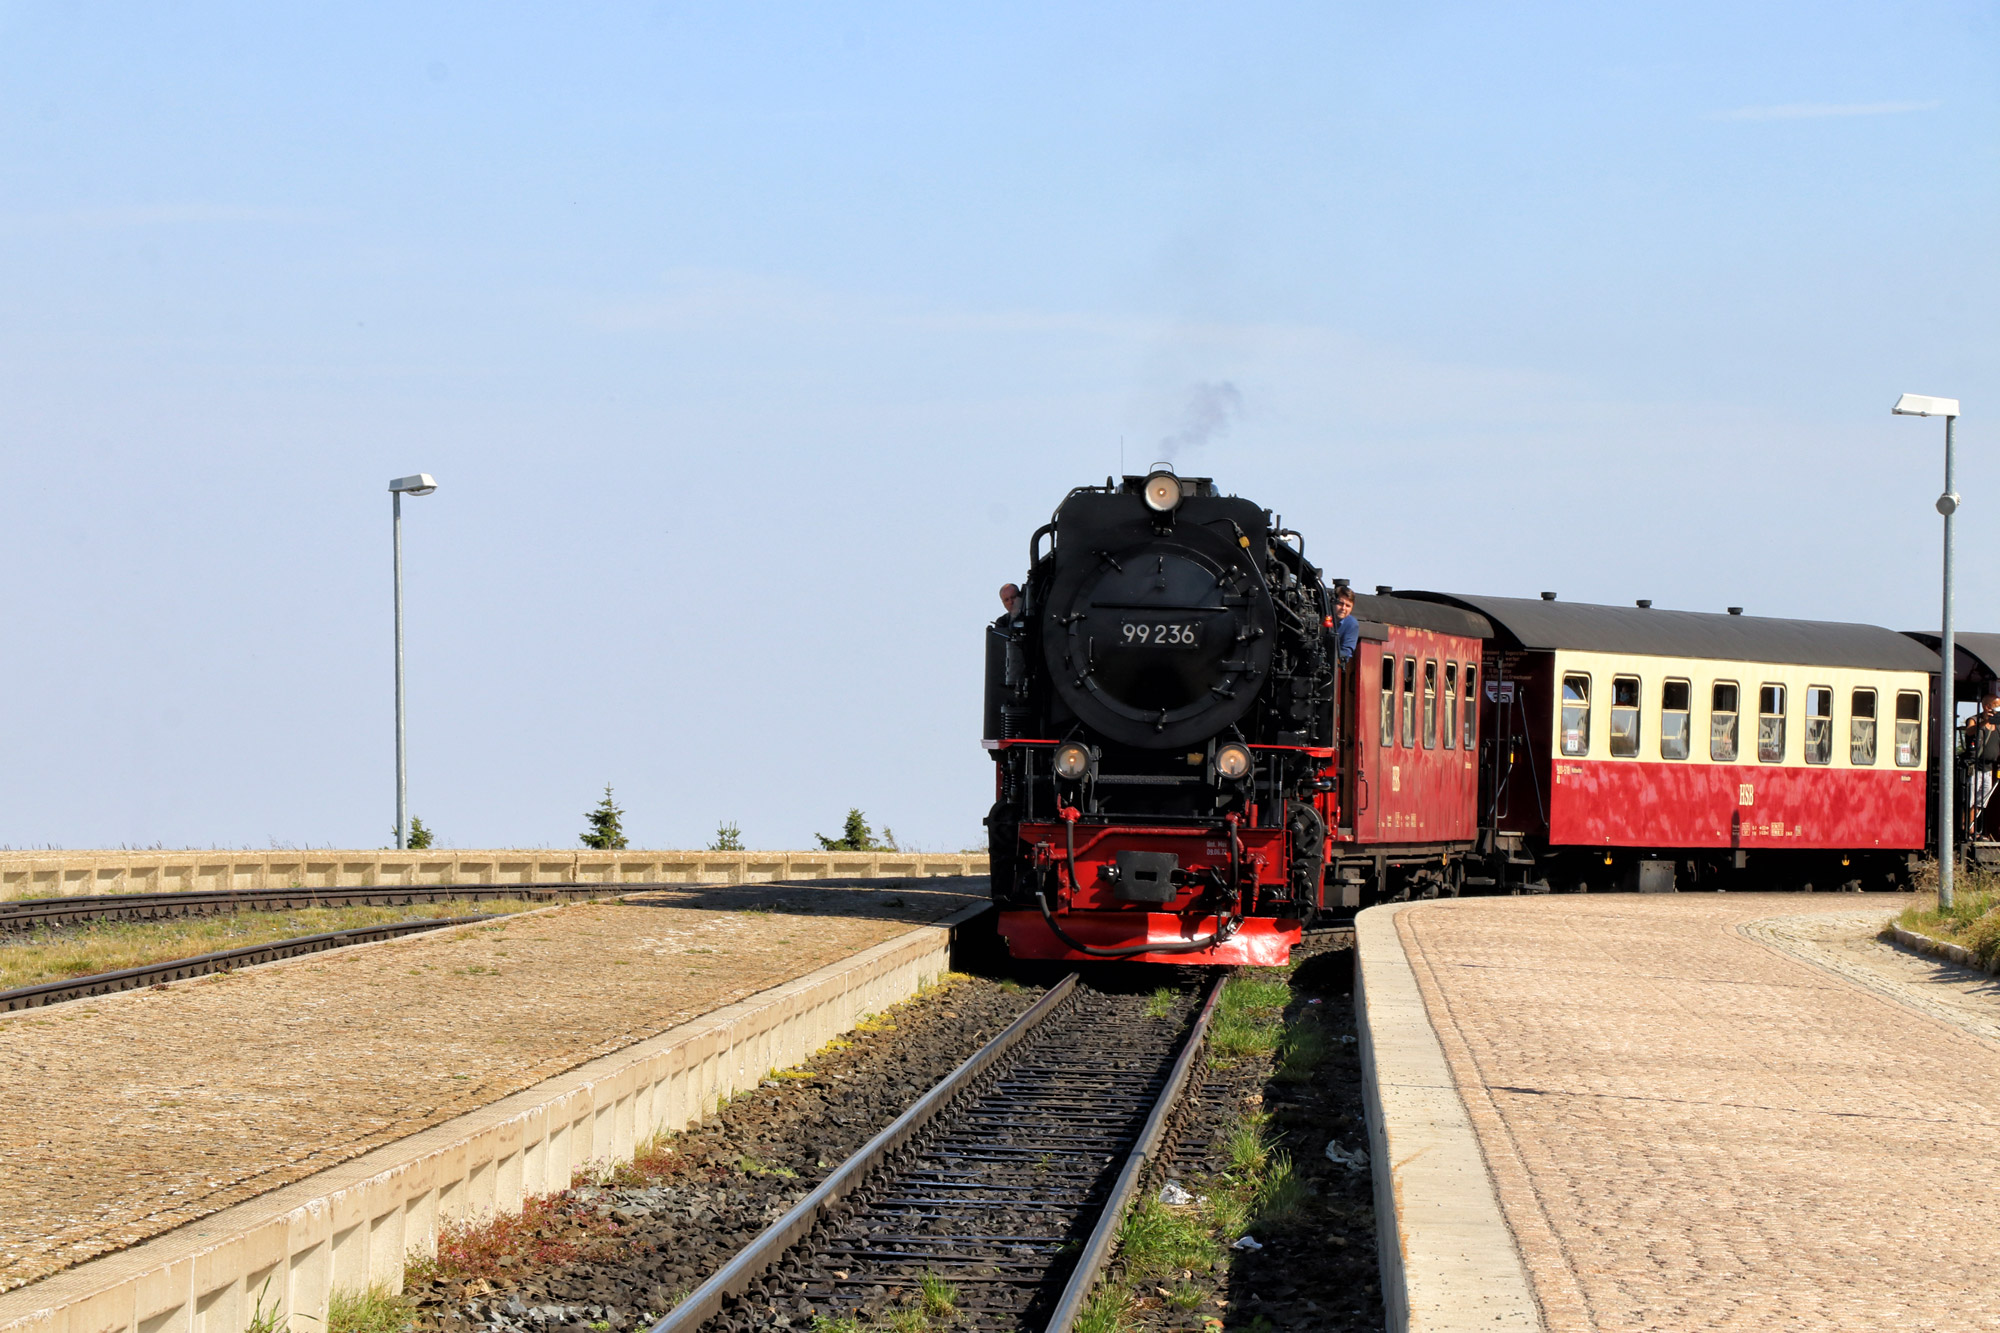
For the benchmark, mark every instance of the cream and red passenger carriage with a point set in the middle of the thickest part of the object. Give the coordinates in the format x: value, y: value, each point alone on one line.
x: 1643, y: 748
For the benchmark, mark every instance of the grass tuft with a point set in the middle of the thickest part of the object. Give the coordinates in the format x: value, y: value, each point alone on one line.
x: 845, y: 1324
x: 939, y: 1296
x: 1160, y: 1004
x: 1282, y: 1193
x: 1248, y: 1019
x: 1157, y: 1241
x: 372, y: 1309
x: 1301, y: 1051
x: 1106, y: 1311
x: 1973, y: 921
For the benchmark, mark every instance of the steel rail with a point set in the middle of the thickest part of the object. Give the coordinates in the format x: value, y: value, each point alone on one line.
x: 28, y: 913
x: 706, y: 1301
x: 226, y: 960
x: 1104, y: 1238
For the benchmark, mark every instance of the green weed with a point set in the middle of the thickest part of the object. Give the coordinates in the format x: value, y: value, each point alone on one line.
x: 1157, y: 1241
x: 845, y: 1324
x: 940, y: 1297
x: 1247, y: 1146
x: 372, y: 1309
x: 1106, y: 1311
x: 1300, y: 1051
x: 1282, y: 1192
x: 1161, y: 1004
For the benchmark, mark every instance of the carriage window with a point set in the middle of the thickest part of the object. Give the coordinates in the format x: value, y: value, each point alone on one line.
x: 1430, y: 705
x: 1722, y: 722
x: 1770, y: 724
x: 1819, y: 724
x: 1674, y: 719
x: 1385, y: 725
x: 1909, y: 729
x: 1576, y: 715
x: 1471, y: 703
x: 1450, y: 705
x: 1861, y: 728
x: 1409, y: 703
x: 1624, y: 717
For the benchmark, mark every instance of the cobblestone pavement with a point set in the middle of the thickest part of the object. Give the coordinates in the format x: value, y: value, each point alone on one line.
x: 1717, y: 1112
x: 129, y: 1115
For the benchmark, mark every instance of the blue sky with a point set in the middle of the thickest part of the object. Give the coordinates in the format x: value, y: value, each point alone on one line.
x: 749, y: 343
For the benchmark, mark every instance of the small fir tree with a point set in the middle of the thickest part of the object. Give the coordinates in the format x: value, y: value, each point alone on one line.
x: 855, y: 835
x: 420, y: 837
x: 728, y: 838
x: 605, y: 834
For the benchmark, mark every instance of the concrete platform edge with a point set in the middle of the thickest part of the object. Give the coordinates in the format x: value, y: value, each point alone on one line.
x: 1956, y: 953
x: 1448, y: 1259
x: 359, y: 1221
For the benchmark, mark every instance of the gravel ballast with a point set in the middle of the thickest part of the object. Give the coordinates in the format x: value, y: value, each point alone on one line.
x: 617, y: 1255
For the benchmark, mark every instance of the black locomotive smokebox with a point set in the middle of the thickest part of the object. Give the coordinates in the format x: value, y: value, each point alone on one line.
x: 1158, y: 635
x: 1147, y: 877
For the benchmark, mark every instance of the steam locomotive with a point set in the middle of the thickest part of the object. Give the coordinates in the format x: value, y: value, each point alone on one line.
x: 1160, y: 708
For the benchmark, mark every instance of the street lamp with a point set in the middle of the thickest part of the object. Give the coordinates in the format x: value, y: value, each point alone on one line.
x: 421, y: 484
x: 1923, y: 405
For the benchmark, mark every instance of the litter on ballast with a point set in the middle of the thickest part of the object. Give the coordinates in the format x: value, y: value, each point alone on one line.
x: 1357, y: 1160
x: 1246, y: 1243
x: 1173, y: 1195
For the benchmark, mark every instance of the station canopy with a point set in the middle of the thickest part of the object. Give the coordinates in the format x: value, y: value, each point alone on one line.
x: 1534, y: 624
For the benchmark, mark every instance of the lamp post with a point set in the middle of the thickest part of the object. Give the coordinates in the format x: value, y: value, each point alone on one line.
x: 1923, y: 405
x: 420, y: 484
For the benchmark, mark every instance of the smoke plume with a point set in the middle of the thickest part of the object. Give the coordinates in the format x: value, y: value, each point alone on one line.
x: 1211, y: 410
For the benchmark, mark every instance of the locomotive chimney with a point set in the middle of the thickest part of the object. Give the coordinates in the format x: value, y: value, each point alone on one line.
x: 1644, y: 603
x: 1383, y: 590
x: 1735, y: 610
x: 1548, y: 597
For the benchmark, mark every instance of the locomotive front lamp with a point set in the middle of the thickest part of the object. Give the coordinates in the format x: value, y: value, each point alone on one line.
x: 1162, y: 491
x: 1924, y: 405
x: 1232, y: 761
x: 1072, y: 761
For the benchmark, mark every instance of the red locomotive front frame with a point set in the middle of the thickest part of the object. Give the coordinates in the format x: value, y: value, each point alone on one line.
x: 1091, y: 909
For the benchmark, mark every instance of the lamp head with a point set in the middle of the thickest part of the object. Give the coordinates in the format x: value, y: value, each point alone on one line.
x: 420, y: 484
x: 1923, y: 405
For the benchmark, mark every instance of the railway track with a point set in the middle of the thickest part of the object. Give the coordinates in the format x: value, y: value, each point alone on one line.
x: 225, y: 960
x: 1007, y: 1182
x: 23, y: 914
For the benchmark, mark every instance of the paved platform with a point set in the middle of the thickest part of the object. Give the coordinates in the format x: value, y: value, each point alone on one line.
x: 128, y: 1116
x: 1694, y: 1112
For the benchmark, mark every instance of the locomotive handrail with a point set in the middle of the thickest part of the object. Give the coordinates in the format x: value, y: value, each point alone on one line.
x: 1034, y: 543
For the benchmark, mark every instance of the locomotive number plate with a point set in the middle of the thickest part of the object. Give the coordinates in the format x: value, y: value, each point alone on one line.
x: 1161, y: 633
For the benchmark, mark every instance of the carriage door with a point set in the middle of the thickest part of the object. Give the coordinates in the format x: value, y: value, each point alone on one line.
x: 1348, y: 737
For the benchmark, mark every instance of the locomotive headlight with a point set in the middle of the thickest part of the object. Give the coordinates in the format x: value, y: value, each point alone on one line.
x: 1163, y: 492
x: 1072, y: 761
x: 1232, y: 761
